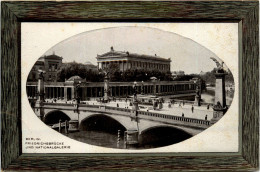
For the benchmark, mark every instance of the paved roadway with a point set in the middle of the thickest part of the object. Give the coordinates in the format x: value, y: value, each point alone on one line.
x: 176, y: 110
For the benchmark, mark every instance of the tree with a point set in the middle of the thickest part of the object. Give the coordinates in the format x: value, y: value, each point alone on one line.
x: 68, y: 70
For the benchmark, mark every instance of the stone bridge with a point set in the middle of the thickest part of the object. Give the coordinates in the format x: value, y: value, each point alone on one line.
x: 132, y: 120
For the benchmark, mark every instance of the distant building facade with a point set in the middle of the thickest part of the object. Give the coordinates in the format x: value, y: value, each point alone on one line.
x: 178, y: 73
x: 126, y: 60
x: 50, y: 64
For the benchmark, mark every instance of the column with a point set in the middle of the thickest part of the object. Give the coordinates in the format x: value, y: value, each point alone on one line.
x: 45, y: 92
x: 65, y: 93
x: 50, y: 93
x: 50, y: 88
x: 72, y: 92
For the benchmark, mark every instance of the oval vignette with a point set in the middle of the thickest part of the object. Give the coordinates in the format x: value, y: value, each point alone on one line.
x: 129, y: 88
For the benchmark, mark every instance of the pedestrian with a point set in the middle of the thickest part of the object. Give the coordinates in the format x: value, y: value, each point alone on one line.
x: 208, y: 106
x: 117, y: 105
x: 182, y: 115
x: 192, y: 108
x: 206, y: 117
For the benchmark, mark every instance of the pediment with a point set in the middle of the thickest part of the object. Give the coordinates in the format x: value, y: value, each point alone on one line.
x: 112, y: 53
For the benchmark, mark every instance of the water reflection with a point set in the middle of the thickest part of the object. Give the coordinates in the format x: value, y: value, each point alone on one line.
x: 157, y: 137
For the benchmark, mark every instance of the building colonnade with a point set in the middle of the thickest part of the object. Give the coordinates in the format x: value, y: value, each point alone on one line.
x: 116, y: 90
x: 125, y: 64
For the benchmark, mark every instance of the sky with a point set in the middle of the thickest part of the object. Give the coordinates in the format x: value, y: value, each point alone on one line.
x: 186, y: 54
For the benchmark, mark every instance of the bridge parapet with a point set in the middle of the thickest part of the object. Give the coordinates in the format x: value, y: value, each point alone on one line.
x: 171, y: 119
x: 152, y: 116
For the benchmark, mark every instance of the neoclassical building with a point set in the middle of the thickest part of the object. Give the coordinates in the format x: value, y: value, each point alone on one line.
x: 50, y: 64
x: 127, y: 60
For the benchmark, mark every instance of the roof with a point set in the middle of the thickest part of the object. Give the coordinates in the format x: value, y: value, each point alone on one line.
x: 76, y: 77
x: 52, y: 56
x: 88, y: 63
x: 39, y: 63
x: 119, y: 54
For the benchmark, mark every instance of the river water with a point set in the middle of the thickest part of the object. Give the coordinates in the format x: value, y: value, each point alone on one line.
x: 156, y: 138
x: 104, y: 132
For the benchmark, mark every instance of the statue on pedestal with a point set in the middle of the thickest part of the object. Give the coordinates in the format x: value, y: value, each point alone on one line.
x: 220, y: 68
x: 220, y: 106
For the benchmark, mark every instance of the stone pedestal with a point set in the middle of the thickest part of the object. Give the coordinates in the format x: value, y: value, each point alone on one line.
x: 220, y: 106
x: 132, y: 138
x: 220, y: 92
x: 39, y: 109
x: 135, y: 105
x: 197, y: 100
x: 73, y: 125
x: 218, y: 113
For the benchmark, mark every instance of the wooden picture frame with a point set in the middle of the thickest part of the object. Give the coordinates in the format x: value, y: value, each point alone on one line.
x: 244, y: 13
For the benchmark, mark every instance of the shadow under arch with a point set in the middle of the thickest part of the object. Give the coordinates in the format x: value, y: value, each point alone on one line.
x: 101, y: 122
x: 159, y: 136
x: 54, y: 117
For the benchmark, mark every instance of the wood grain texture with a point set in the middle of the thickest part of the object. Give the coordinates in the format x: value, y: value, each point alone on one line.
x: 133, y: 163
x: 83, y: 11
x: 250, y: 78
x: 10, y: 115
x: 15, y: 12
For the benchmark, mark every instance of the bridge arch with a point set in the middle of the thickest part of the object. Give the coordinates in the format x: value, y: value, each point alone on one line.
x: 100, y: 121
x: 163, y: 126
x: 162, y: 135
x: 54, y: 116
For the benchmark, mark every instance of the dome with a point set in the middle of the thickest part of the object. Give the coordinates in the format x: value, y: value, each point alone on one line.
x: 88, y: 63
x: 73, y: 78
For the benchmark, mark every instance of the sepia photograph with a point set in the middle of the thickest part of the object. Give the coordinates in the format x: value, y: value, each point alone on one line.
x: 131, y: 87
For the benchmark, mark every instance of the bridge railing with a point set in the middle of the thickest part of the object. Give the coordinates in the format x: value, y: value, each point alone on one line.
x: 164, y: 117
x: 192, y: 102
x: 176, y: 118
